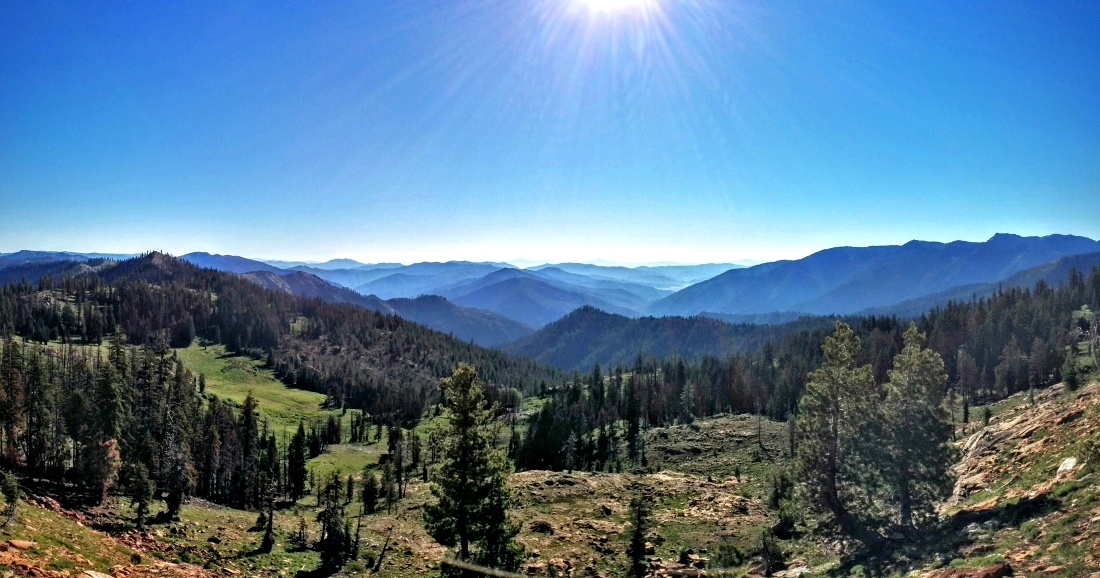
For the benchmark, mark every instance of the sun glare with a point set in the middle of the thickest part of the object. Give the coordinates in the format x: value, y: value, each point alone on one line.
x: 615, y: 5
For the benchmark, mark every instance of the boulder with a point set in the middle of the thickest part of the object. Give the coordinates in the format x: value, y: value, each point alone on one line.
x: 22, y: 544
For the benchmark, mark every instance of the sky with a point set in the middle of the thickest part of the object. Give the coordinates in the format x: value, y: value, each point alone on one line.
x: 548, y: 130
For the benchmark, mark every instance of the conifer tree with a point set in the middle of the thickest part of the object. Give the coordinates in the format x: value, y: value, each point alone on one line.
x: 639, y: 519
x: 296, y: 463
x: 919, y: 455
x: 370, y: 491
x: 470, y: 487
x: 141, y: 492
x: 836, y: 406
x: 1069, y: 369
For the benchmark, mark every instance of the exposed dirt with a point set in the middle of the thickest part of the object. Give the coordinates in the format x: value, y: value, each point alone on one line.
x: 1025, y: 491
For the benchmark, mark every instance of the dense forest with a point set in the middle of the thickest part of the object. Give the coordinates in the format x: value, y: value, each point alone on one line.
x: 992, y: 347
x: 380, y: 364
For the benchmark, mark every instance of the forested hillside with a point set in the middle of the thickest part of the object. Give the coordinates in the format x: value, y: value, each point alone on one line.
x: 588, y: 336
x: 379, y: 363
x: 992, y: 348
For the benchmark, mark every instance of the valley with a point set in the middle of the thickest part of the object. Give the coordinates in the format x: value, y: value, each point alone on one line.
x: 698, y: 419
x: 1016, y: 502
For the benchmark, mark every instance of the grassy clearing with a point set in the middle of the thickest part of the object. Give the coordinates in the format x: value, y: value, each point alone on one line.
x: 232, y: 377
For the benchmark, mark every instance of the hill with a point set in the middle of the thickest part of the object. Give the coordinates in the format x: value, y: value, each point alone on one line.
x: 667, y: 277
x: 33, y: 271
x: 227, y: 263
x: 484, y: 328
x: 846, y: 279
x: 1053, y: 273
x: 350, y: 278
x: 526, y: 298
x: 370, y: 361
x: 26, y: 257
x: 425, y: 278
x: 481, y: 327
x: 588, y: 336
x: 311, y: 286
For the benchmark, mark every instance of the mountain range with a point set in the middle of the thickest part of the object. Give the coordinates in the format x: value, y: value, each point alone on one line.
x: 850, y: 279
x: 494, y: 304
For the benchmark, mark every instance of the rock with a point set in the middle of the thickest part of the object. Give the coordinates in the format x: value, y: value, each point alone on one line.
x: 535, y: 568
x: 697, y: 561
x: 542, y: 527
x: 994, y: 571
x: 93, y: 574
x: 1067, y: 465
x: 22, y: 544
x: 1069, y: 416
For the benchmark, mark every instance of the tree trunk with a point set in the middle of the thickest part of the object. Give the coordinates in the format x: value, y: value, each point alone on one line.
x: 905, y: 502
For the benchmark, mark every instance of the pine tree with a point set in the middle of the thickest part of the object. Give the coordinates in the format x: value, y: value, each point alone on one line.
x: 296, y: 463
x: 1069, y: 369
x: 570, y: 451
x: 836, y: 406
x: 370, y: 491
x: 470, y: 488
x: 919, y: 455
x: 141, y: 492
x: 335, y: 541
x: 639, y: 519
x: 9, y: 487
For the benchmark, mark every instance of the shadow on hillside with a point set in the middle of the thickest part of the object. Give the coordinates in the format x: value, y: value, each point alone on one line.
x: 945, y: 541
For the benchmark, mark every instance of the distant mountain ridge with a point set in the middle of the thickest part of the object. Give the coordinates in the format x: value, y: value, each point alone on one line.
x: 1053, y: 273
x: 849, y: 279
x: 588, y: 336
x: 837, y: 281
x: 481, y: 327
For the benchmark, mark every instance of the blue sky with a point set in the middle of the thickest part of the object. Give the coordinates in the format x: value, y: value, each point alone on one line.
x: 666, y: 130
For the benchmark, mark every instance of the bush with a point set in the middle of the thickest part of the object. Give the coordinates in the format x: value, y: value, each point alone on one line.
x: 1030, y: 530
x: 728, y: 555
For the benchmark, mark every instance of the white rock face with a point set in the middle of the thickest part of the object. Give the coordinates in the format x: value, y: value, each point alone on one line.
x: 1067, y: 465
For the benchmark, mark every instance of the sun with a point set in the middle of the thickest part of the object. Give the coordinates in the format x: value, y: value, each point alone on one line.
x: 615, y: 5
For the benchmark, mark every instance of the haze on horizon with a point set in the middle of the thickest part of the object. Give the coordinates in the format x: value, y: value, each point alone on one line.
x: 551, y: 130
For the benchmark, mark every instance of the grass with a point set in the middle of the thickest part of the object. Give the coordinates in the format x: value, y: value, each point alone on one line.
x: 233, y: 377
x: 63, y: 543
x: 347, y: 458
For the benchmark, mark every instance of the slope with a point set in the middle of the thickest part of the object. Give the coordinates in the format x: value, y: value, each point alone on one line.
x: 227, y: 263
x: 846, y: 279
x: 311, y: 286
x: 526, y: 298
x: 481, y: 327
x: 33, y: 271
x: 356, y: 356
x: 587, y: 336
x: 425, y: 278
x: 1053, y: 273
